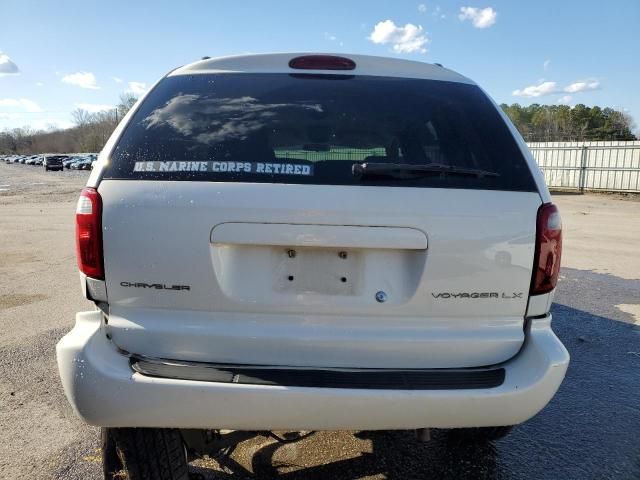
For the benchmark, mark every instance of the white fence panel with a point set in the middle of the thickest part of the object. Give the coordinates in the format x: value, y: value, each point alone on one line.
x: 610, y: 166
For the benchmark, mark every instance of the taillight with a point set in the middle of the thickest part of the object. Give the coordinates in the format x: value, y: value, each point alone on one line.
x: 322, y: 62
x: 89, y: 233
x: 546, y: 262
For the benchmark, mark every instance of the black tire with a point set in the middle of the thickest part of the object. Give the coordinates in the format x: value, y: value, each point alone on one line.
x: 478, y: 435
x: 143, y: 454
x: 46, y: 169
x: 111, y: 465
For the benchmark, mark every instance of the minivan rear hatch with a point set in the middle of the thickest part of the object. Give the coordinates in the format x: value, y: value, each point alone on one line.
x: 318, y: 220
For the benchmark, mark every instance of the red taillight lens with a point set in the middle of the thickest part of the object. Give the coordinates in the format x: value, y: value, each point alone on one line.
x: 546, y: 262
x: 322, y: 62
x: 89, y: 233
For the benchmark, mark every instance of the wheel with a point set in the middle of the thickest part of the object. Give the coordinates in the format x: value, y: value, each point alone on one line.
x: 478, y: 435
x: 111, y: 465
x: 143, y: 454
x: 46, y: 169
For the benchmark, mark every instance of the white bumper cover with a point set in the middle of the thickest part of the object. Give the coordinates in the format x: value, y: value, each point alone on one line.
x: 105, y: 391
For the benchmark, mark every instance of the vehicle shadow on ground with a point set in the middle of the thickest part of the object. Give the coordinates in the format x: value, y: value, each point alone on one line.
x: 589, y: 430
x: 598, y: 293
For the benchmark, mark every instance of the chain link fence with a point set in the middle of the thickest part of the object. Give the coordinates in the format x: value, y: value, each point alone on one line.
x: 608, y: 166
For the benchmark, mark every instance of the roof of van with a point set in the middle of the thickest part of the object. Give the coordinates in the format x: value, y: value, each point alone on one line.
x: 279, y: 63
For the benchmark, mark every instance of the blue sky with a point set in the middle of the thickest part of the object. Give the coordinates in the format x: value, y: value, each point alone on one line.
x: 59, y: 56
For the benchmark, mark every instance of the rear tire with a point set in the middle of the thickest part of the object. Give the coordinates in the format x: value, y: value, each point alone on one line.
x: 478, y: 435
x: 111, y: 465
x: 143, y: 454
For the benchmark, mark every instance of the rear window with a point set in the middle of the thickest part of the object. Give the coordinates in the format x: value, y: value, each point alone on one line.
x: 311, y: 129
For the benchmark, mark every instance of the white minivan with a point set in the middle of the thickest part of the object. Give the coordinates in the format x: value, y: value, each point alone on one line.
x: 310, y: 242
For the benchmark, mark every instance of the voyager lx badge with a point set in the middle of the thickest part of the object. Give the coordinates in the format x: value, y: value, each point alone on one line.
x: 157, y: 286
x: 478, y: 295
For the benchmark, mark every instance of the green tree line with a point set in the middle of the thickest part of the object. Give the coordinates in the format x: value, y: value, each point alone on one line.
x: 535, y: 122
x: 542, y: 123
x: 89, y: 133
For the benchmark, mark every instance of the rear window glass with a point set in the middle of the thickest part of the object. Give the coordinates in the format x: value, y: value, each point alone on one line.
x: 291, y: 128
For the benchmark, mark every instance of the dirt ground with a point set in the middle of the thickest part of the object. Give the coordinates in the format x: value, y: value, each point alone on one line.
x: 602, y: 235
x: 40, y: 294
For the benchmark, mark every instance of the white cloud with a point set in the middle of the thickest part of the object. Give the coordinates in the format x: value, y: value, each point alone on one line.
x: 137, y: 88
x: 332, y: 38
x: 82, y: 80
x: 35, y: 122
x: 94, y: 107
x: 22, y: 103
x: 437, y: 12
x: 116, y: 79
x: 546, y: 65
x: 547, y: 88
x: 50, y: 124
x: 9, y: 116
x: 543, y: 88
x: 422, y: 8
x: 480, y: 17
x: 39, y: 84
x: 408, y: 39
x: 582, y: 86
x: 7, y: 67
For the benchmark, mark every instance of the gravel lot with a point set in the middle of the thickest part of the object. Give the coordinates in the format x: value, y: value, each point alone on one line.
x: 589, y: 431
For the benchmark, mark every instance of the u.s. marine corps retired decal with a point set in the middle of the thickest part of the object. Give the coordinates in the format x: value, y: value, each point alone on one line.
x: 266, y: 168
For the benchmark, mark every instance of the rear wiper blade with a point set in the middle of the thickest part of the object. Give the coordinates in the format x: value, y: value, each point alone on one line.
x: 409, y: 171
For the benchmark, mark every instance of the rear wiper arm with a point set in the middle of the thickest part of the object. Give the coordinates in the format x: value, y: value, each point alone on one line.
x: 409, y: 171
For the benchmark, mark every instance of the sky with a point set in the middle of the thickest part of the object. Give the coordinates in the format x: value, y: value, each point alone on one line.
x: 59, y: 56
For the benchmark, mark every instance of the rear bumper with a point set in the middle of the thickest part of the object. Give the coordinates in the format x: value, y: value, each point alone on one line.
x: 104, y: 390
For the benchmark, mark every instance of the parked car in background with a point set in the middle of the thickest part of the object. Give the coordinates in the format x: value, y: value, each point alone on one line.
x: 94, y: 158
x: 53, y: 162
x: 82, y: 164
x: 69, y: 161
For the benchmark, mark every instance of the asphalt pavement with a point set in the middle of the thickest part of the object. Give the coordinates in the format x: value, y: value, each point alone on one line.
x: 590, y: 430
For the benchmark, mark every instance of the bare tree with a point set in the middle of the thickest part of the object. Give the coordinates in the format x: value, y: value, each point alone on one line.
x: 80, y: 117
x: 127, y: 100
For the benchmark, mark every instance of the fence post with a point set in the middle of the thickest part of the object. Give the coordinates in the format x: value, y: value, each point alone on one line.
x: 583, y: 168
